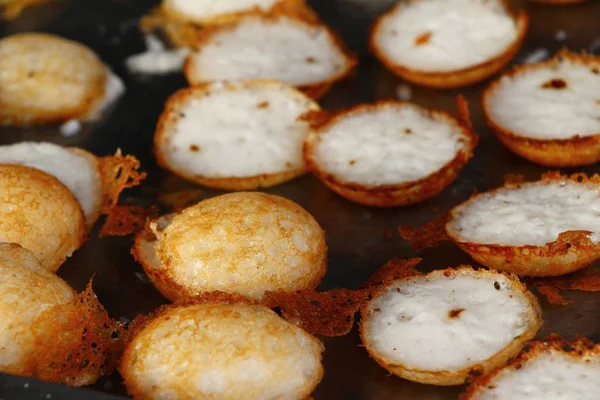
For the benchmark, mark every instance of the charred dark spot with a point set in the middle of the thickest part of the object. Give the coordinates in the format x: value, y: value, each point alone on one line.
x: 496, y: 285
x: 595, y: 71
x: 181, y: 115
x: 518, y: 366
x: 568, y: 245
x: 556, y: 83
x: 351, y: 162
x: 568, y: 348
x: 377, y: 310
x: 31, y: 74
x: 194, y: 148
x: 311, y: 60
x: 408, y: 131
x: 398, y: 289
x: 263, y: 104
x: 315, y: 303
x: 114, y: 335
x: 348, y: 318
x: 580, y: 178
x: 455, y: 314
x: 84, y: 363
x: 422, y: 39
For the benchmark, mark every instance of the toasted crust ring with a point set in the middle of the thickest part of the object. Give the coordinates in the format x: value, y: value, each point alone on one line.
x: 452, y: 378
x: 402, y: 194
x: 144, y: 253
x: 574, y: 152
x: 94, y: 84
x: 570, y: 252
x: 580, y: 348
x: 226, y: 183
x: 314, y: 90
x: 451, y: 79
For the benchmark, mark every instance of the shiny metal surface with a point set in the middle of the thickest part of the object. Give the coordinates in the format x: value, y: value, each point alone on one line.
x: 357, y: 236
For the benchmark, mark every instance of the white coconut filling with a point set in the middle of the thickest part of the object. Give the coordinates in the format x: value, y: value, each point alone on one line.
x: 391, y: 145
x: 238, y: 133
x: 558, y: 101
x: 113, y: 89
x: 550, y: 375
x: 533, y: 214
x: 446, y: 323
x: 207, y: 9
x: 446, y: 35
x: 283, y: 49
x: 157, y: 61
x: 75, y: 171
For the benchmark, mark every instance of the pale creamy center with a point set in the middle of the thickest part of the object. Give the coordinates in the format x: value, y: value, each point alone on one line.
x: 559, y: 101
x: 551, y: 375
x: 448, y: 323
x: 390, y: 145
x: 446, y: 35
x: 533, y: 214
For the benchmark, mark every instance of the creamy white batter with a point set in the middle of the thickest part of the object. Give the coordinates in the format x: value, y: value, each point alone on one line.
x: 283, y: 49
x: 243, y: 132
x: 460, y: 33
x: 534, y: 214
x: 551, y: 375
x: 414, y: 325
x: 528, y: 105
x: 390, y: 145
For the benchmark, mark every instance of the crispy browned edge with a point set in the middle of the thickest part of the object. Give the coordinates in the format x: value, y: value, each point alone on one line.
x: 395, y: 194
x: 450, y: 378
x: 580, y: 348
x: 314, y: 90
x: 571, y: 251
x: 13, y: 9
x: 574, y: 152
x: 451, y: 79
x: 142, y: 321
x: 81, y: 233
x: 176, y: 292
x: 169, y: 117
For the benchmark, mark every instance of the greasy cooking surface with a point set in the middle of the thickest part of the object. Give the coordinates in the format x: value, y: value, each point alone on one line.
x: 358, y: 237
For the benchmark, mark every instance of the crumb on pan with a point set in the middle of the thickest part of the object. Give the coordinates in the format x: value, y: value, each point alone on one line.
x: 587, y: 280
x: 118, y: 173
x: 77, y: 342
x: 426, y: 236
x: 513, y: 178
x: 394, y: 269
x: 125, y: 220
x: 331, y: 313
x: 328, y: 313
